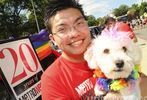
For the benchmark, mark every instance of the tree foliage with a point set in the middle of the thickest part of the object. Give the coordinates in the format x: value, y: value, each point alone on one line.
x: 10, y: 20
x: 143, y: 8
x: 14, y: 22
x: 91, y: 20
x: 133, y: 11
x: 122, y: 10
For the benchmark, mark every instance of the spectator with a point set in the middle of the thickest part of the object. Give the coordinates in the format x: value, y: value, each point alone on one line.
x: 133, y: 23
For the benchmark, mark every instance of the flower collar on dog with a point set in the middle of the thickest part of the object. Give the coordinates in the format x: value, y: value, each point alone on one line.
x: 106, y: 84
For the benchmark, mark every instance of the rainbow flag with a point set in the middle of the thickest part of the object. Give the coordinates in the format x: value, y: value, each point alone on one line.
x: 41, y: 45
x: 43, y: 49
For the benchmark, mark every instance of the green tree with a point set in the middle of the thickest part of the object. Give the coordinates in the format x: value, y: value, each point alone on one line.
x: 133, y: 11
x: 91, y: 20
x: 10, y: 20
x: 101, y: 21
x: 13, y: 20
x: 142, y: 8
x: 122, y: 10
x: 30, y: 25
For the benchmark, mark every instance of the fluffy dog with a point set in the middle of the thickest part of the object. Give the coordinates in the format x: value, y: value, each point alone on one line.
x: 114, y: 57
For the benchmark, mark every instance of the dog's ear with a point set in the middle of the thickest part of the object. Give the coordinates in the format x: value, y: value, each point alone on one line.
x: 89, y: 57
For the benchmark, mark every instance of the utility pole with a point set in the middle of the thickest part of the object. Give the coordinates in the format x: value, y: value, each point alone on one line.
x: 35, y: 16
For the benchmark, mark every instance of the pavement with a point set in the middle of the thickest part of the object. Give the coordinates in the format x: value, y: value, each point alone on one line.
x: 143, y: 45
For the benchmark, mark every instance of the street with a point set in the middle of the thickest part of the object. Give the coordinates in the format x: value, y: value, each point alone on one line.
x: 141, y: 33
x: 142, y: 41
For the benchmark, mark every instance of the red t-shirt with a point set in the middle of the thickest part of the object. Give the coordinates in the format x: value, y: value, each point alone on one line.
x: 65, y: 80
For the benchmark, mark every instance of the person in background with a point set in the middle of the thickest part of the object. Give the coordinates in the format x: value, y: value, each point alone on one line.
x: 120, y: 26
x: 69, y: 77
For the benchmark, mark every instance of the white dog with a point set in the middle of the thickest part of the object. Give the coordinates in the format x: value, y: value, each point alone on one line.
x: 115, y: 55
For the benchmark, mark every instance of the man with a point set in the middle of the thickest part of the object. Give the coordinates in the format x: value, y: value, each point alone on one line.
x: 120, y: 26
x: 69, y: 77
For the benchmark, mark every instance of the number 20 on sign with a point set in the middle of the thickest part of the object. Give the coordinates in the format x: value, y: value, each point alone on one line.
x: 18, y: 60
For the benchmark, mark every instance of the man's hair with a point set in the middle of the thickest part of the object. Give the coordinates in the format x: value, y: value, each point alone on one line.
x: 108, y: 19
x: 57, y: 5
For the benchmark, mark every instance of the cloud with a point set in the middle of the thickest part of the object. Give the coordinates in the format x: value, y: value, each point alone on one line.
x: 95, y: 7
x: 100, y: 8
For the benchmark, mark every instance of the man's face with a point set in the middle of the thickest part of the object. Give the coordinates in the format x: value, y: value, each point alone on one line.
x: 70, y: 32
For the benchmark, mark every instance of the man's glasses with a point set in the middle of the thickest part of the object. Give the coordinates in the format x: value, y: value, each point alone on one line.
x: 65, y: 30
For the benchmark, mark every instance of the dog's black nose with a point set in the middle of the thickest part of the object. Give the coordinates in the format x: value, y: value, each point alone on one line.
x: 119, y: 63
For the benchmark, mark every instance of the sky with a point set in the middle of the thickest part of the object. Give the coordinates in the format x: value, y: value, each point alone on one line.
x: 100, y: 8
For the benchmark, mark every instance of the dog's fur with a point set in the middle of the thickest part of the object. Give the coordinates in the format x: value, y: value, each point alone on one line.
x: 105, y: 51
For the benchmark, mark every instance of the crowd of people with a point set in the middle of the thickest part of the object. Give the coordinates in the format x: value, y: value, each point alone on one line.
x: 139, y: 23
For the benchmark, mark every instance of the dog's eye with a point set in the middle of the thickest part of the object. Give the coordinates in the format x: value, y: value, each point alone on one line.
x: 124, y: 48
x: 106, y: 51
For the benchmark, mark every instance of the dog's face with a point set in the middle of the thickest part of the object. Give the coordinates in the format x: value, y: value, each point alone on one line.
x: 114, y: 57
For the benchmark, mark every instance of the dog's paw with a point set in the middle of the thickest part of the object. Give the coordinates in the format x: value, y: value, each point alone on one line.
x: 98, y: 92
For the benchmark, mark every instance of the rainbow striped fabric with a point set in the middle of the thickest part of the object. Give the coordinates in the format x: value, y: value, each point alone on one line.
x: 41, y: 45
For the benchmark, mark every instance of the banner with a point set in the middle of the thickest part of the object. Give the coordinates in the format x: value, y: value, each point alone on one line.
x: 20, y: 69
x: 44, y: 49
